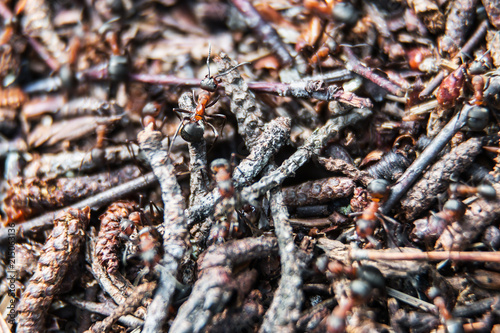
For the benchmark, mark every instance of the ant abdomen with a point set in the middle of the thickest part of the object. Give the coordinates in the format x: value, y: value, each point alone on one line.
x: 192, y: 132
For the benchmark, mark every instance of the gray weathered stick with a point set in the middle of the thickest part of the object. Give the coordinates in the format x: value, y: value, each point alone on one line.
x: 175, y: 242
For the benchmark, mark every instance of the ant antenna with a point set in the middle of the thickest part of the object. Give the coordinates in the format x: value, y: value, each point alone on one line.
x: 208, y: 58
x: 355, y: 45
x: 231, y: 69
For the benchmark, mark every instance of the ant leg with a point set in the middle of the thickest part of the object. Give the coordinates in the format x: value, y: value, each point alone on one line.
x: 220, y: 116
x: 177, y: 133
x: 387, y: 232
x: 179, y: 111
x: 194, y: 97
x: 215, y: 133
x: 213, y: 99
x: 163, y: 122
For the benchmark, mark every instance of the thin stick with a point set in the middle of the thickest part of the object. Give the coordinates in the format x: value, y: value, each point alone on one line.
x: 311, y: 89
x: 276, y: 134
x: 411, y: 300
x: 95, y: 202
x: 426, y: 256
x: 354, y: 65
x: 105, y: 310
x: 284, y: 311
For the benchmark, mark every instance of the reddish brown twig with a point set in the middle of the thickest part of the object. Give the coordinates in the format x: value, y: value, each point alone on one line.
x: 108, y: 242
x: 354, y: 65
x: 59, y: 254
x: 27, y: 197
x: 427, y: 256
x: 112, y: 282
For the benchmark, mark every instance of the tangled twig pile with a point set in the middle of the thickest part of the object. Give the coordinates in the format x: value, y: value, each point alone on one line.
x: 336, y: 167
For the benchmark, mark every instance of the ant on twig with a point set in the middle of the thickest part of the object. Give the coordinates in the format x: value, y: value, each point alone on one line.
x: 367, y: 222
x: 191, y: 127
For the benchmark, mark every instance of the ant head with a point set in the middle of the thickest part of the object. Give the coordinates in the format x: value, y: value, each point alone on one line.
x: 455, y: 207
x: 360, y: 289
x: 379, y: 189
x: 218, y: 164
x: 477, y: 118
x: 192, y: 132
x: 127, y: 226
x: 210, y: 83
x: 487, y: 191
x: 372, y: 275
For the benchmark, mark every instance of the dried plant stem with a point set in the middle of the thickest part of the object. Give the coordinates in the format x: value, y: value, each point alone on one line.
x: 265, y: 32
x: 354, y: 65
x: 311, y: 89
x: 284, y: 311
x: 175, y: 241
x: 133, y: 301
x: 244, y: 105
x: 437, y: 178
x: 114, y: 284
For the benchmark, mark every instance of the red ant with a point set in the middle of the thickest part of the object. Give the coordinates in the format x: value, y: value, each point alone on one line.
x: 191, y: 127
x: 228, y: 209
x: 367, y: 278
x: 365, y: 225
x: 429, y: 229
